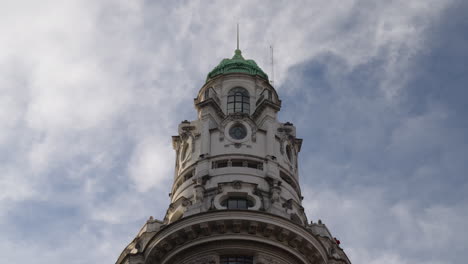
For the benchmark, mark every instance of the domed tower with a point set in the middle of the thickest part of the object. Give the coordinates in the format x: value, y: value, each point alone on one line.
x: 236, y: 196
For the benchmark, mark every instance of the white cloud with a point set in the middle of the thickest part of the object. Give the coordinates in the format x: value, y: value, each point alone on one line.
x: 15, y: 187
x: 372, y: 228
x: 90, y: 92
x: 151, y: 165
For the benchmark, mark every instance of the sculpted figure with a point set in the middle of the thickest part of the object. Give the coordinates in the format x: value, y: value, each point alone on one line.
x: 199, y: 193
x: 275, y: 194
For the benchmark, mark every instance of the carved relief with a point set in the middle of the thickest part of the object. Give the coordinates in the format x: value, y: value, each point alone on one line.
x: 199, y: 193
x: 275, y: 194
x: 184, y: 152
x: 185, y: 143
x: 238, y: 117
x: 288, y: 204
x: 287, y: 138
x: 176, y: 143
x: 237, y: 185
x: 225, y: 190
x: 295, y: 218
x: 276, y: 233
x: 204, y: 260
x: 266, y: 259
x: 186, y: 202
x: 334, y: 252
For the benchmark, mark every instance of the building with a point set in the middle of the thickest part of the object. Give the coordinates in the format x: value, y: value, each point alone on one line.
x: 236, y: 196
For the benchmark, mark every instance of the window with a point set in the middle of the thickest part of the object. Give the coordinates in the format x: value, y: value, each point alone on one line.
x: 236, y: 260
x: 221, y: 164
x: 237, y: 163
x: 238, y: 131
x: 238, y: 101
x: 237, y: 203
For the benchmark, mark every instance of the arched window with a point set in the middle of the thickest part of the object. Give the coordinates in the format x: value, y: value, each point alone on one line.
x: 238, y: 101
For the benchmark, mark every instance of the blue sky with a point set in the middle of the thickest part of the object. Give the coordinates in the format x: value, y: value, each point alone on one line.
x: 92, y: 91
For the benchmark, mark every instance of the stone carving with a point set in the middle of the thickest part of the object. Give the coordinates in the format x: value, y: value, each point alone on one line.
x: 204, y: 260
x: 176, y: 144
x: 212, y: 206
x: 288, y: 237
x: 237, y: 185
x: 237, y: 117
x: 199, y: 192
x: 295, y: 218
x: 185, y: 142
x: 265, y: 259
x: 186, y: 148
x: 186, y: 202
x: 275, y: 194
x: 334, y: 253
x: 288, y: 204
x: 171, y: 208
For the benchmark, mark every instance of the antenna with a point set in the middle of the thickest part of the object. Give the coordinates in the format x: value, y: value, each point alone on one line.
x: 272, y: 67
x: 237, y: 35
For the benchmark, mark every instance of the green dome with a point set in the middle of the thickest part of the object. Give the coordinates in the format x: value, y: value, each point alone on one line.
x: 237, y: 65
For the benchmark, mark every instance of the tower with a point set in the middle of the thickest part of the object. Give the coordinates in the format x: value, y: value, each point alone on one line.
x: 236, y: 196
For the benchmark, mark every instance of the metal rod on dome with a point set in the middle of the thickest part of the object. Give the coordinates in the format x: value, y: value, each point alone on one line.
x: 237, y: 35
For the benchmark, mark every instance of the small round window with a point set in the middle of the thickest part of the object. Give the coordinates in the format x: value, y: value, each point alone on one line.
x: 238, y: 131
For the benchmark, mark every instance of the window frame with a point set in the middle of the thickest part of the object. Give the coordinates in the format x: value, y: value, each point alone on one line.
x: 237, y: 203
x: 238, y: 101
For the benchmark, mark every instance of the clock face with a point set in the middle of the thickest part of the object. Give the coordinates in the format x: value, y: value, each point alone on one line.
x: 238, y: 131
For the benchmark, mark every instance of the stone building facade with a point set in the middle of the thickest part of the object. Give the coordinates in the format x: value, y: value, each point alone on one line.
x: 236, y: 196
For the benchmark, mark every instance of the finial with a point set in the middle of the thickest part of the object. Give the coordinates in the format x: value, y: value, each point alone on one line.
x: 237, y: 52
x: 237, y: 35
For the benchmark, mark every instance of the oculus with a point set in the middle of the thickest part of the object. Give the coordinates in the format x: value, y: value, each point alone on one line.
x: 238, y: 131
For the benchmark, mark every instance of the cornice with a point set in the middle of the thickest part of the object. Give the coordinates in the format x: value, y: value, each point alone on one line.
x: 239, y: 224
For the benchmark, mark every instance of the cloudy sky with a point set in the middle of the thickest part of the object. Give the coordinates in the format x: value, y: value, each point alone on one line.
x: 92, y: 91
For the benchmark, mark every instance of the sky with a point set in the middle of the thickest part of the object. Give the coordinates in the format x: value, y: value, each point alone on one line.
x: 92, y: 91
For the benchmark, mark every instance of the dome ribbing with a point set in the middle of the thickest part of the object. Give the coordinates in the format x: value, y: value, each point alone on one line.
x: 237, y: 65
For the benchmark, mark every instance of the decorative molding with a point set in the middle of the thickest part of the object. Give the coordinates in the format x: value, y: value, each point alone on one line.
x: 204, y: 260
x: 225, y: 189
x: 266, y: 259
x: 220, y: 226
x: 238, y: 117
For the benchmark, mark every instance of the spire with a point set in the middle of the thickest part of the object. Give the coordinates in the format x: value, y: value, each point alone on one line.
x: 237, y: 64
x: 238, y: 36
x: 238, y: 52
